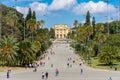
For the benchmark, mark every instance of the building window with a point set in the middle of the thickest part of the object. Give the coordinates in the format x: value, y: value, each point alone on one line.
x: 64, y: 35
x: 57, y: 35
x: 60, y: 35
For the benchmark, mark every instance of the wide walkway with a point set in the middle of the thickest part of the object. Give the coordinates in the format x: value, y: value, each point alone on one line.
x: 63, y: 52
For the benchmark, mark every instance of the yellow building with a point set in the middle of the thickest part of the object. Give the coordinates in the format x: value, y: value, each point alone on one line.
x: 61, y: 30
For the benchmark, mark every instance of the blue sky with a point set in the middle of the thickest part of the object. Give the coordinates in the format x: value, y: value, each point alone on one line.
x: 66, y: 11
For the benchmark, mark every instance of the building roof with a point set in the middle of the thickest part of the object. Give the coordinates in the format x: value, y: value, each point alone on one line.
x: 61, y: 26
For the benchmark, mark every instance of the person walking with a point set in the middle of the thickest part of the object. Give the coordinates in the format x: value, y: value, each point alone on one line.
x: 8, y: 73
x: 46, y: 75
x: 35, y: 69
x: 56, y: 72
x: 67, y: 64
x: 51, y: 65
x: 43, y: 75
x: 110, y: 78
x: 81, y: 71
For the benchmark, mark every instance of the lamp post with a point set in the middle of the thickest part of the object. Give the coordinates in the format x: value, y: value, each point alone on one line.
x: 15, y: 17
x: 81, y: 47
x: 24, y: 23
x: 0, y: 18
x: 86, y: 48
x: 119, y: 9
x: 119, y: 14
x: 107, y: 17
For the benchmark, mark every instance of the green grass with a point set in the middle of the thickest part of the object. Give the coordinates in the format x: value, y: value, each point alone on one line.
x: 5, y: 68
x: 96, y: 64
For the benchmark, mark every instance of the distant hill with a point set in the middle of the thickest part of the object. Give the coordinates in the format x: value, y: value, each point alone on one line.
x: 5, y: 10
x: 18, y: 22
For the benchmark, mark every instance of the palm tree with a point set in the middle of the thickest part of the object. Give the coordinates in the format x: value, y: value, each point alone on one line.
x: 99, y: 28
x: 88, y: 32
x: 26, y: 54
x: 75, y: 24
x: 36, y: 46
x: 32, y: 26
x: 41, y: 23
x: 100, y: 38
x: 81, y: 36
x: 9, y: 48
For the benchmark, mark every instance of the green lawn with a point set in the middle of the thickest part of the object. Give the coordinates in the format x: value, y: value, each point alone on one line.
x: 96, y: 64
x: 4, y: 68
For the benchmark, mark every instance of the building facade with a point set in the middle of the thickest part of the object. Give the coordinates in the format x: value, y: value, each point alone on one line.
x: 61, y: 30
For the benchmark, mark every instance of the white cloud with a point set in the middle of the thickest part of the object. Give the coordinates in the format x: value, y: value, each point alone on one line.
x: 99, y: 7
x: 39, y: 8
x: 23, y: 10
x: 61, y: 4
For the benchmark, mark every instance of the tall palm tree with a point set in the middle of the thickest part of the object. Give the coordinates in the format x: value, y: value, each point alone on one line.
x: 31, y: 26
x: 88, y: 32
x: 100, y: 38
x: 9, y: 48
x: 81, y: 36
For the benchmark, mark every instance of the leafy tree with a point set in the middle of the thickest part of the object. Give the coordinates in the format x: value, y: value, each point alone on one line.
x: 52, y: 33
x: 113, y: 40
x: 114, y: 27
x: 108, y: 54
x: 44, y: 37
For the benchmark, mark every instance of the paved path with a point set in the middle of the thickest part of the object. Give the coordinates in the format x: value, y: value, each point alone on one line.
x: 59, y: 61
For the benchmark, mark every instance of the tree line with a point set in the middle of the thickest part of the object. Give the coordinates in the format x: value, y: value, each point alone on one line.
x: 22, y: 40
x: 99, y: 40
